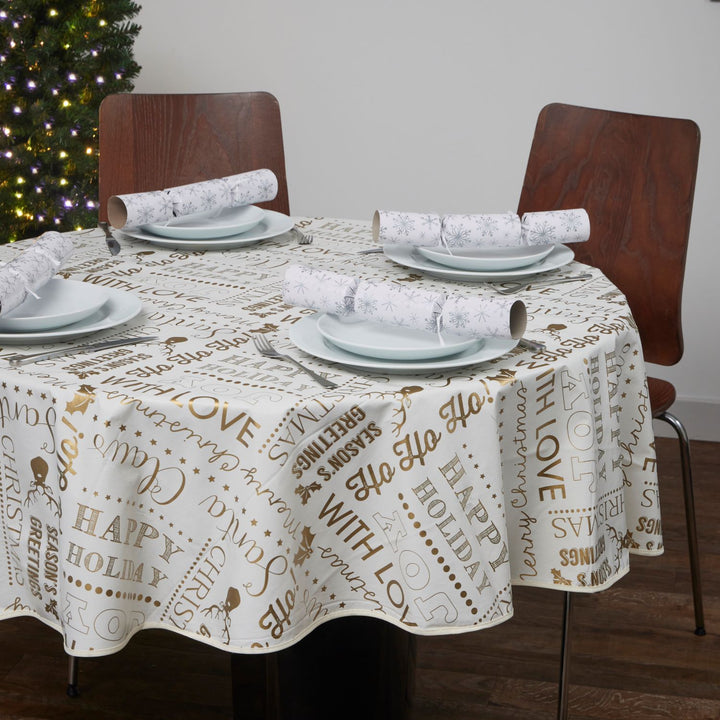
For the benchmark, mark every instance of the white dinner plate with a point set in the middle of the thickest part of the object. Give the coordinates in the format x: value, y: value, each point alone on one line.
x: 409, y: 257
x: 272, y: 224
x: 119, y: 307
x: 386, y: 342
x: 209, y: 225
x: 309, y: 339
x: 60, y: 302
x: 492, y: 259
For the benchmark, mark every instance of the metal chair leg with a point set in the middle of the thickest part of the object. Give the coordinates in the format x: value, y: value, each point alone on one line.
x: 562, y: 712
x: 689, y: 518
x: 72, y: 686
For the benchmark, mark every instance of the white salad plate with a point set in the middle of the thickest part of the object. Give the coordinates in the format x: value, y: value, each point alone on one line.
x: 272, y: 225
x: 491, y: 259
x: 60, y: 302
x: 119, y: 308
x: 380, y: 341
x: 306, y: 337
x: 209, y: 225
x: 408, y: 256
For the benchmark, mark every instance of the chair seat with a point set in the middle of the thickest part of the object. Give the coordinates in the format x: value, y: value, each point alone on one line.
x: 662, y: 395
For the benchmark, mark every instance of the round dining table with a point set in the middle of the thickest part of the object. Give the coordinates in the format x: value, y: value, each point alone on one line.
x: 190, y: 483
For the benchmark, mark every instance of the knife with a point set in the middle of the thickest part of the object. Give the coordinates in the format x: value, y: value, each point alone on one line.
x: 103, y: 345
x: 112, y: 244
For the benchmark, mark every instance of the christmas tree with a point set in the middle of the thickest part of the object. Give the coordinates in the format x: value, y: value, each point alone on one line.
x: 58, y: 60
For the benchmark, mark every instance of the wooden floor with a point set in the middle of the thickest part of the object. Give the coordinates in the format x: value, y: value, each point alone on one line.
x: 634, y: 654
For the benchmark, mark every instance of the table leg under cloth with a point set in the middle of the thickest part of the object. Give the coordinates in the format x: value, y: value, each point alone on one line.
x: 348, y: 668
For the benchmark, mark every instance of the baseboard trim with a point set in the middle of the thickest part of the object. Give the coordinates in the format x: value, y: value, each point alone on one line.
x: 701, y: 420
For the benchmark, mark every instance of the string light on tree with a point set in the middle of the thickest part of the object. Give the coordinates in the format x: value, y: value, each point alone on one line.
x: 58, y: 60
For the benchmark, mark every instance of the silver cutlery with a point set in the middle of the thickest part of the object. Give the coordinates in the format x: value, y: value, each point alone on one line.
x: 265, y: 348
x: 533, y: 345
x: 93, y: 347
x: 303, y: 239
x: 369, y: 251
x: 112, y: 244
x: 514, y: 287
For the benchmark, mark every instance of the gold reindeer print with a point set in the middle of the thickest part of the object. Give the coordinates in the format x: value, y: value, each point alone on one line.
x: 223, y: 610
x: 39, y: 487
x: 401, y: 411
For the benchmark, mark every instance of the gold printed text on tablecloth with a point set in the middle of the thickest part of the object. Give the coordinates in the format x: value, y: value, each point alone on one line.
x: 113, y: 534
x: 465, y: 534
x: 162, y: 421
x: 70, y: 443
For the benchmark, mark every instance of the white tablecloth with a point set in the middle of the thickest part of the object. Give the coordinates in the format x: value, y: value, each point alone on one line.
x: 197, y: 486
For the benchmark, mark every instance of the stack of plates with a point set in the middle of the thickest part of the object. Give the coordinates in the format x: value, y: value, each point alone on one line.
x: 216, y: 230
x: 66, y: 309
x: 481, y: 264
x: 370, y: 345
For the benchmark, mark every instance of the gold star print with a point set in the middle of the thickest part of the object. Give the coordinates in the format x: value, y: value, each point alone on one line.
x: 123, y: 428
x: 323, y: 588
x: 182, y: 461
x: 107, y: 497
x: 226, y: 487
x: 253, y: 522
x: 196, y: 471
x: 138, y: 433
x: 168, y: 451
x: 315, y: 581
x: 4, y: 386
x: 84, y: 489
x: 107, y: 423
x: 94, y: 418
x: 43, y: 396
x: 332, y: 597
x: 342, y: 604
x: 267, y: 533
x: 17, y: 389
x: 29, y: 392
x: 153, y: 442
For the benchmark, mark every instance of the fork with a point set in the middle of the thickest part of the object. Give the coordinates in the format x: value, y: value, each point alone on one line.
x: 264, y: 347
x: 110, y: 241
x: 515, y: 287
x: 302, y: 238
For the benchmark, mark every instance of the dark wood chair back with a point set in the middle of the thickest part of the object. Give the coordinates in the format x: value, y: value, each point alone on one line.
x: 154, y: 141
x: 635, y: 176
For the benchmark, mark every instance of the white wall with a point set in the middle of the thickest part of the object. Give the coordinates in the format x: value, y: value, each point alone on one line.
x: 420, y: 105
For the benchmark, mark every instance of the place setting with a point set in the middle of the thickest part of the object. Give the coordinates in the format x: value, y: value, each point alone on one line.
x: 490, y: 247
x: 384, y: 327
x: 37, y: 306
x: 217, y: 214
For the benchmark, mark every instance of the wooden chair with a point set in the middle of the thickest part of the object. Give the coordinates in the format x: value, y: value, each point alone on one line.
x: 154, y: 141
x: 635, y: 176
